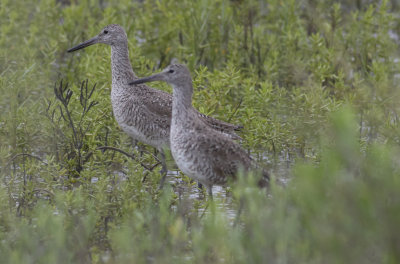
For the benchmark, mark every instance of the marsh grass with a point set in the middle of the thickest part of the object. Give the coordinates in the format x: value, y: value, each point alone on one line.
x: 314, y: 83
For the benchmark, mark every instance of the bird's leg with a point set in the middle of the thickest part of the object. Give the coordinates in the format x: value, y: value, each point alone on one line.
x: 163, y: 170
x: 209, y: 188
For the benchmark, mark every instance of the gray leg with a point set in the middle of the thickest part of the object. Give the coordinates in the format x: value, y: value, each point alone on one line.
x: 163, y: 170
x: 209, y: 188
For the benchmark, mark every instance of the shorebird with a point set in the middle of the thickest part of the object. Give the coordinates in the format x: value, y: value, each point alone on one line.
x: 200, y: 152
x: 142, y: 112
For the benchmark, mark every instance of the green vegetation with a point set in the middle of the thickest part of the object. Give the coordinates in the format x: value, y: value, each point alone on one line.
x: 315, y: 84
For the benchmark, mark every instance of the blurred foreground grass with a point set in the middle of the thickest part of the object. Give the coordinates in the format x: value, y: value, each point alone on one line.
x: 313, y: 82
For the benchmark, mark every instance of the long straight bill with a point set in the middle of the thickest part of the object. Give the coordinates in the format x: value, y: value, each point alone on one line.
x: 152, y: 78
x: 83, y: 44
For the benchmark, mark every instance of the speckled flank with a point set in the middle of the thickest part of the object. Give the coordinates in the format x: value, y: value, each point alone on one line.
x: 201, y: 152
x: 142, y: 112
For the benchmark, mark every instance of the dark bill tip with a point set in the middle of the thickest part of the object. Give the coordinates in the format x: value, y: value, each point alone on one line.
x: 138, y: 81
x: 155, y: 77
x: 83, y: 45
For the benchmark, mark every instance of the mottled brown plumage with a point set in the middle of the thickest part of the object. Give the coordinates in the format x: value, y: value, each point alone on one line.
x: 201, y: 152
x: 142, y: 112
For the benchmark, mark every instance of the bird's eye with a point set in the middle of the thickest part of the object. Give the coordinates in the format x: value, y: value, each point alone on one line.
x: 171, y: 71
x: 105, y: 31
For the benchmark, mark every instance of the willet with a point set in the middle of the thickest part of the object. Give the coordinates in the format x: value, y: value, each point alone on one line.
x: 200, y: 152
x: 142, y: 112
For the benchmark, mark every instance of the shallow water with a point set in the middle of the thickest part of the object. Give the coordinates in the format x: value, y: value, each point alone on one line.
x: 189, y: 195
x: 221, y: 195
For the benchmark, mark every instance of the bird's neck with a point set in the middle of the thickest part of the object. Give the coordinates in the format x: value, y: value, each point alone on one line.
x: 121, y: 67
x: 182, y: 104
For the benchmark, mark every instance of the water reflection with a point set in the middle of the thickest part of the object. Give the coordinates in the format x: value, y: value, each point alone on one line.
x: 190, y: 199
x: 189, y: 195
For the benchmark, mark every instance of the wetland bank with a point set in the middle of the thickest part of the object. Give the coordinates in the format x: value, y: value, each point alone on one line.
x: 314, y: 84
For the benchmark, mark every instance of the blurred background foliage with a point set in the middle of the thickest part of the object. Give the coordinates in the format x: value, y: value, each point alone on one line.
x: 314, y: 83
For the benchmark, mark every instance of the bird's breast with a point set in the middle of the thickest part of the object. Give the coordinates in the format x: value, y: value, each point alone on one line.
x: 132, y: 119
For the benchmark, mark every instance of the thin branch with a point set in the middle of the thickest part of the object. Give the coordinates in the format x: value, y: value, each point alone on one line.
x: 150, y: 168
x: 116, y: 149
x: 109, y: 148
x: 236, y: 109
x: 26, y: 155
x: 38, y: 190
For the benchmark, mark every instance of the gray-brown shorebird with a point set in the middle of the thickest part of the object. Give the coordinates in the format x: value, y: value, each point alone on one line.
x: 142, y: 112
x: 200, y: 152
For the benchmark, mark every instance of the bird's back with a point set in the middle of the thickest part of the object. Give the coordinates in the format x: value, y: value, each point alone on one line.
x: 205, y: 154
x: 145, y: 114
